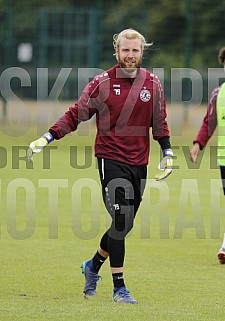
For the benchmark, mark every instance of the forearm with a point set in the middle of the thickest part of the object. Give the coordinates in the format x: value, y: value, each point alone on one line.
x: 164, y: 143
x: 65, y: 125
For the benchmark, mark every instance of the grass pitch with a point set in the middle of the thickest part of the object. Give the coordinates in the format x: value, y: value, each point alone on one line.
x: 52, y: 218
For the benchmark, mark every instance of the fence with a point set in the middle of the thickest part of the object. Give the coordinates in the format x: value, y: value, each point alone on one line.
x: 81, y: 37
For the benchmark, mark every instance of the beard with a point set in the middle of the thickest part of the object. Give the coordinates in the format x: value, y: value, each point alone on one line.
x: 129, y: 65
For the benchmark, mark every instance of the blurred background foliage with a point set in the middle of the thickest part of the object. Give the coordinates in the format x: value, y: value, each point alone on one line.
x: 78, y: 33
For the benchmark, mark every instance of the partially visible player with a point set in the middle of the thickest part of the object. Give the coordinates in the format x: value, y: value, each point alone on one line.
x: 215, y: 117
x: 127, y: 100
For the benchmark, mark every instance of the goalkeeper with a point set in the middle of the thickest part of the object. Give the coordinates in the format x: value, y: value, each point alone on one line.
x: 127, y: 100
x: 214, y: 118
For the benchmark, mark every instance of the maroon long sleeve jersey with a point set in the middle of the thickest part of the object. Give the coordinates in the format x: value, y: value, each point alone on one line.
x: 125, y: 110
x: 209, y: 123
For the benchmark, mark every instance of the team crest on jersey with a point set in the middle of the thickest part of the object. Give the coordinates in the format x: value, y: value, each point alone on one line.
x: 145, y: 95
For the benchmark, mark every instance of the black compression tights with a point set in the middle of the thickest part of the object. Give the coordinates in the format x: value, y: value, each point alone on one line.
x: 115, y: 248
x: 113, y: 241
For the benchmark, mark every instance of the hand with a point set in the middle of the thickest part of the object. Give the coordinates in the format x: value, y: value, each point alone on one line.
x: 166, y: 165
x: 37, y: 145
x: 194, y: 152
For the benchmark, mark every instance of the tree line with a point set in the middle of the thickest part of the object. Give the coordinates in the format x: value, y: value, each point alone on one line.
x: 184, y: 33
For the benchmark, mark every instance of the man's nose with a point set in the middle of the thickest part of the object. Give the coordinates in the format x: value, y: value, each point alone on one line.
x: 130, y: 54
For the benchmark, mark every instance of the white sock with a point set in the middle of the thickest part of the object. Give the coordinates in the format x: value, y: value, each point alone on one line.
x: 223, y: 244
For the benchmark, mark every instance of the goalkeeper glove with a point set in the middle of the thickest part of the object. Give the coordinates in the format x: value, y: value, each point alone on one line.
x: 37, y: 145
x: 166, y: 165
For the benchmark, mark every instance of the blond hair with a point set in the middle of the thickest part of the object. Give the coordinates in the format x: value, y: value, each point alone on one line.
x: 221, y: 56
x: 130, y: 34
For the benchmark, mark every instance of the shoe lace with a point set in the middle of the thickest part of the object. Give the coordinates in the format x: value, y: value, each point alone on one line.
x: 124, y: 292
x: 94, y: 278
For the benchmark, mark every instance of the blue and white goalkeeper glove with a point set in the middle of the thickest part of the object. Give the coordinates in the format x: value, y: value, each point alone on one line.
x: 37, y: 145
x: 166, y: 165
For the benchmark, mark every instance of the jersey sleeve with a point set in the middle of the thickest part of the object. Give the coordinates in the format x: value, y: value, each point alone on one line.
x: 159, y: 122
x: 209, y: 122
x: 82, y: 110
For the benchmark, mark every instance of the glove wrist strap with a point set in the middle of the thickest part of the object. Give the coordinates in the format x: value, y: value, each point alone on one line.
x: 167, y: 152
x: 48, y: 136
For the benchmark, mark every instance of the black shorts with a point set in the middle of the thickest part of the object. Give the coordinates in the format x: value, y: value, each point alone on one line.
x: 122, y: 185
x: 222, y: 172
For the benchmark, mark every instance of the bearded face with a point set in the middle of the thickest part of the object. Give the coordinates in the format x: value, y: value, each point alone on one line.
x: 129, y: 64
x: 129, y: 54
